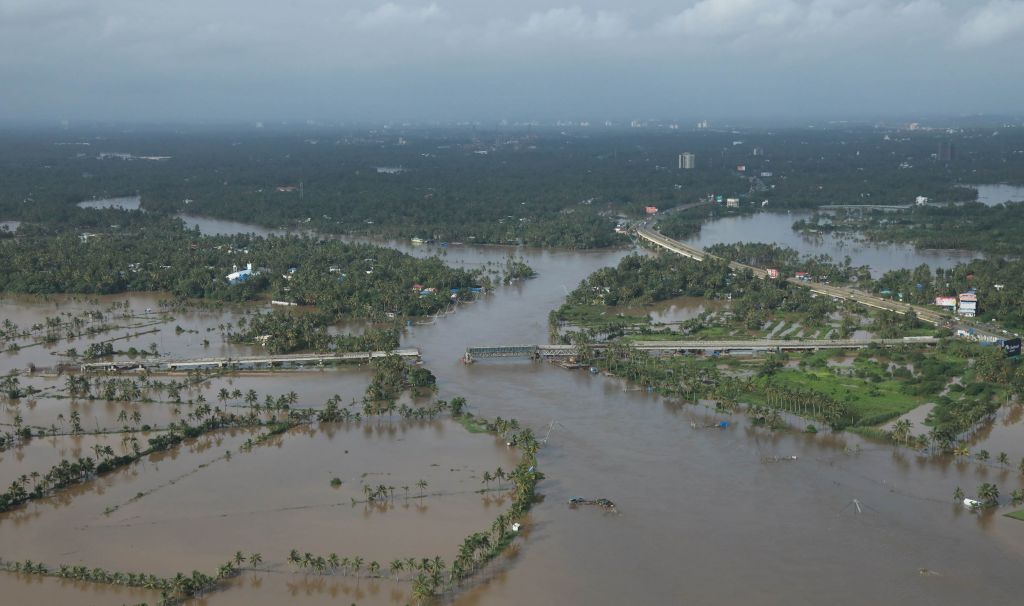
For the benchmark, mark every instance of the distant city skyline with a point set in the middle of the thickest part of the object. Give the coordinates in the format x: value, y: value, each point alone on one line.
x: 422, y: 60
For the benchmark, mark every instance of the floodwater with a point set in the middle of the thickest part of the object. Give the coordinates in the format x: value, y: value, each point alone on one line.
x: 998, y: 193
x: 199, y: 506
x: 777, y: 228
x: 671, y: 311
x: 703, y: 517
x: 125, y: 203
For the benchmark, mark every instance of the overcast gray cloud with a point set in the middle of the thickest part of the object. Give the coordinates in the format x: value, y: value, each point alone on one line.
x: 446, y: 59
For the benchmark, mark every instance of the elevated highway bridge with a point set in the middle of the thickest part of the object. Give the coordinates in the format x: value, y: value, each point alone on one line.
x: 839, y: 292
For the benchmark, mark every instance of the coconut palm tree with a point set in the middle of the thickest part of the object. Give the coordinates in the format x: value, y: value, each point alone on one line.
x: 396, y: 566
x: 988, y: 494
x: 255, y: 560
x: 422, y: 588
x: 421, y: 484
x: 901, y: 431
x: 958, y: 494
x: 1003, y: 459
x: 239, y: 558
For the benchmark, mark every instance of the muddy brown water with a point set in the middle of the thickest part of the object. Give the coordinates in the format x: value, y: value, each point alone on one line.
x: 703, y: 519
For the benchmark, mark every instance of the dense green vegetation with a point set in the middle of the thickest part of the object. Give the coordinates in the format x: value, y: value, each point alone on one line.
x: 871, y: 388
x: 789, y: 262
x: 539, y: 187
x: 284, y: 332
x: 338, y: 278
x: 645, y: 279
x: 997, y: 281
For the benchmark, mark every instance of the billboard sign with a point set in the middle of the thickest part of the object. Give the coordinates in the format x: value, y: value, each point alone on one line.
x: 968, y: 296
x: 773, y: 273
x: 946, y: 301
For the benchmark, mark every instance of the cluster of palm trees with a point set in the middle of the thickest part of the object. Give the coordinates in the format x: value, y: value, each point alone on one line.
x: 805, y: 403
x: 987, y: 495
x: 392, y: 376
x: 382, y: 493
x: 332, y: 564
x: 67, y: 473
x: 498, y: 476
x: 141, y: 389
x: 11, y: 390
x: 65, y: 325
x: 59, y: 476
x: 173, y: 590
x: 901, y: 433
x: 333, y: 412
x: 766, y: 416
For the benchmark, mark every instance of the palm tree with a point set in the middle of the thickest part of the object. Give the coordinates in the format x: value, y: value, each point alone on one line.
x: 357, y: 564
x: 421, y: 484
x: 958, y: 494
x: 487, y: 479
x: 396, y: 567
x: 901, y: 430
x: 239, y: 558
x: 255, y: 560
x: 294, y: 558
x: 988, y: 494
x: 373, y: 568
x: 1003, y: 459
x: 499, y: 475
x: 422, y: 588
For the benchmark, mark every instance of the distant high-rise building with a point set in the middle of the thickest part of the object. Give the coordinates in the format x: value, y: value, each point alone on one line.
x: 687, y: 161
x: 947, y: 152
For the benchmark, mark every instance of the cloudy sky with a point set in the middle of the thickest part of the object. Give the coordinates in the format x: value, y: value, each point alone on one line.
x: 216, y: 60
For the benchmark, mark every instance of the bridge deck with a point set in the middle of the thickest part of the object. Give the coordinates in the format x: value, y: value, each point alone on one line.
x: 248, y: 362
x: 566, y: 351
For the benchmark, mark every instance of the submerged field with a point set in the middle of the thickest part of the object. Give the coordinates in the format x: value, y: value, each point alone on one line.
x: 373, y: 484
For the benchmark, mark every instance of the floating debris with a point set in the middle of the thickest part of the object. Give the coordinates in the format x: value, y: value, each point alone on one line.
x: 604, y: 504
x: 715, y: 425
x: 778, y: 459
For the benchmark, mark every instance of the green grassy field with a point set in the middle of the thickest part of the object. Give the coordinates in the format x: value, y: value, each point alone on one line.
x: 1016, y: 515
x: 866, y: 398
